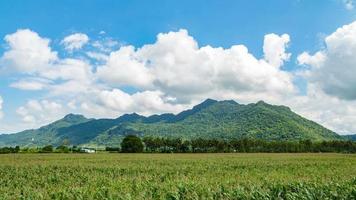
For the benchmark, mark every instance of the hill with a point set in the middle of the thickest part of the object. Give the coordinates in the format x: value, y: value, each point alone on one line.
x: 210, y: 119
x: 350, y: 137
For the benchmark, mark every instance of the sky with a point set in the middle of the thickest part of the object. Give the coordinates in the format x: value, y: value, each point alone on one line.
x: 106, y: 58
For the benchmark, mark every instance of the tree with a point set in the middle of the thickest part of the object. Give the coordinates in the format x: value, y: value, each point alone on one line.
x: 47, y: 149
x: 62, y: 149
x: 131, y: 144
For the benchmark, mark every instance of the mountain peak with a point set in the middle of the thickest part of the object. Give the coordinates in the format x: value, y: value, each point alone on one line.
x: 229, y: 101
x: 261, y: 102
x: 204, y: 104
x: 129, y: 117
x: 72, y: 116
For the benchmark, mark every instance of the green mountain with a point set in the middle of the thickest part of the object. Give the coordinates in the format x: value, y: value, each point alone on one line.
x: 350, y: 137
x: 44, y: 135
x: 210, y: 119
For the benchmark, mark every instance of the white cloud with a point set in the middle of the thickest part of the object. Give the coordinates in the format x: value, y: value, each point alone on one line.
x: 274, y: 48
x: 177, y: 66
x: 1, y: 102
x: 333, y: 69
x: 97, y: 56
x: 115, y: 102
x: 105, y: 44
x: 27, y: 53
x: 68, y: 69
x: 334, y: 113
x: 31, y: 84
x: 122, y: 68
x: 40, y: 112
x: 315, y: 60
x: 75, y: 41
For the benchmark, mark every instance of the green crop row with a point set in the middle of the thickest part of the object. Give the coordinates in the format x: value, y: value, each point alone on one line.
x: 178, y: 176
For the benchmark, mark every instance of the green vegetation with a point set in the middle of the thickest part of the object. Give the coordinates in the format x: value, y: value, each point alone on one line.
x: 177, y: 176
x: 210, y: 120
x: 132, y: 144
x: 200, y: 145
x: 350, y: 137
x: 6, y: 150
x: 47, y: 149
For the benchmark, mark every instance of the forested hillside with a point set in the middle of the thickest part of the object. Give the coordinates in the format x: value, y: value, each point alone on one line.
x: 211, y: 119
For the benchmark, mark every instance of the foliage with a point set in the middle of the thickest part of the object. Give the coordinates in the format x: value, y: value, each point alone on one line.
x: 113, y: 149
x: 132, y: 144
x: 200, y: 145
x: 350, y: 137
x: 178, y: 176
x: 5, y: 150
x: 62, y: 149
x: 47, y: 149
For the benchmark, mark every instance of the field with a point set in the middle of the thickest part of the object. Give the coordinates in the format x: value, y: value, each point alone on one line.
x: 177, y: 176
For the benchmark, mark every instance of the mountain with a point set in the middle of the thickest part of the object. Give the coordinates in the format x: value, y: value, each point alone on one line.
x: 350, y: 137
x: 209, y: 119
x: 44, y: 135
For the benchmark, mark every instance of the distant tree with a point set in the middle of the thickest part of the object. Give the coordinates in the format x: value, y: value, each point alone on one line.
x: 17, y: 149
x: 112, y: 149
x: 47, y: 149
x: 132, y: 144
x: 62, y: 149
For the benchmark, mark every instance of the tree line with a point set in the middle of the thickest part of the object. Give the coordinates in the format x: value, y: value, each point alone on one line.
x: 134, y: 144
x: 201, y: 145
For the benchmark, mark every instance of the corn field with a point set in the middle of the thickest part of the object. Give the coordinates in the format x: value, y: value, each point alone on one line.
x: 177, y: 176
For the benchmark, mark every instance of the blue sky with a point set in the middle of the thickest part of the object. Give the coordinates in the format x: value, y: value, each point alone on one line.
x: 119, y: 24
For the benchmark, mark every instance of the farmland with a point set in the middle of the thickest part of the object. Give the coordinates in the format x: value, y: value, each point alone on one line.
x: 177, y: 176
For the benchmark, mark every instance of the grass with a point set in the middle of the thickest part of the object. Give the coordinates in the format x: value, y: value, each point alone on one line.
x: 178, y: 176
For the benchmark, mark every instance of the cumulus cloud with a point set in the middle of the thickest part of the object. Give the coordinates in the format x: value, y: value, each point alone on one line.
x: 122, y: 68
x: 334, y: 113
x: 30, y: 54
x: 177, y: 66
x: 115, y: 102
x: 27, y: 52
x: 75, y: 41
x: 333, y: 69
x: 315, y: 60
x: 40, y: 112
x: 274, y: 48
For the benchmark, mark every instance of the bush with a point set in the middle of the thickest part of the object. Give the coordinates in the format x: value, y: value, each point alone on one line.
x: 132, y: 144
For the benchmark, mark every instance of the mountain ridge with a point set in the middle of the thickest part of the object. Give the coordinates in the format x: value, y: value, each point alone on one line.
x: 225, y: 119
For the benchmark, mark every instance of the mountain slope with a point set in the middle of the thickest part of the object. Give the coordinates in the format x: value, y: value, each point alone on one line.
x: 210, y: 119
x: 350, y: 137
x: 227, y: 119
x: 42, y: 136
